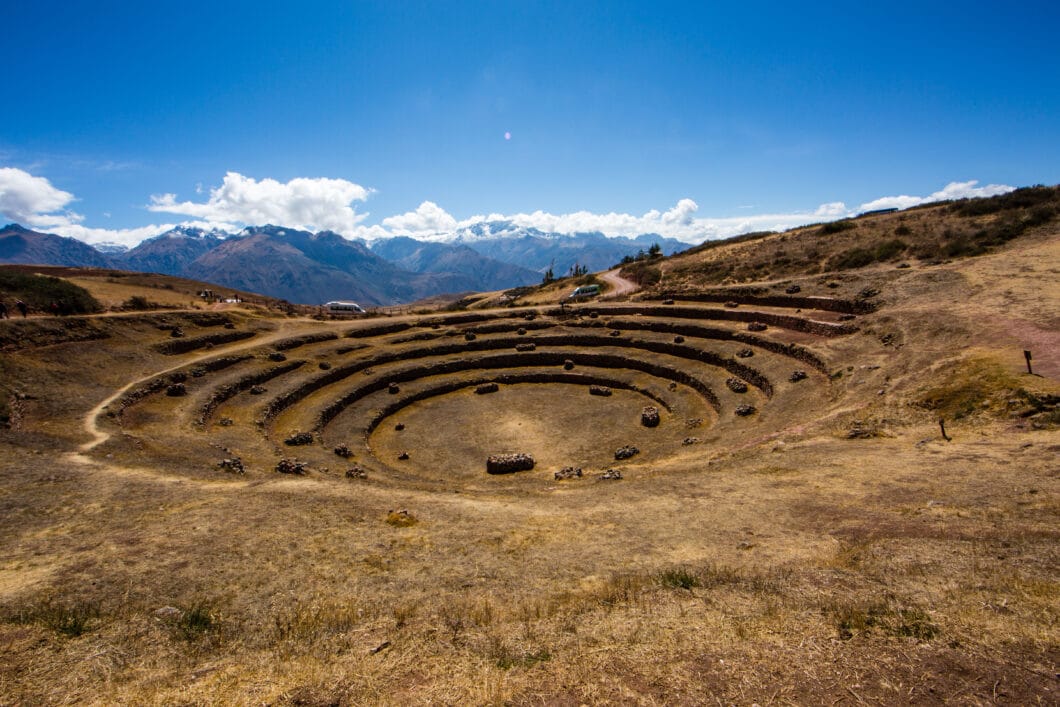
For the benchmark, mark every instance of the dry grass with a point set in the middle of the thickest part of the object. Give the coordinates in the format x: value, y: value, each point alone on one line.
x: 773, y: 561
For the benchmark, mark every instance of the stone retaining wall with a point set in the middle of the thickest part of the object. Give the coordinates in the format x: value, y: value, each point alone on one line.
x: 505, y: 379
x: 230, y: 390
x: 179, y: 346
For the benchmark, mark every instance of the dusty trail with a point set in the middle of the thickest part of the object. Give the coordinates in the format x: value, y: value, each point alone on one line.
x: 90, y: 422
x: 619, y: 285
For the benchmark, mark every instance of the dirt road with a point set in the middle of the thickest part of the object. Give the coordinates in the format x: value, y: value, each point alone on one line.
x: 619, y: 285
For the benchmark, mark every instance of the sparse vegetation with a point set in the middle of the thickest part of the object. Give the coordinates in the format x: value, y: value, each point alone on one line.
x: 770, y: 557
x: 40, y: 292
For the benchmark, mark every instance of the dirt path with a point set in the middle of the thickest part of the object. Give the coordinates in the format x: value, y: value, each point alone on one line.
x: 619, y: 285
x: 91, y: 418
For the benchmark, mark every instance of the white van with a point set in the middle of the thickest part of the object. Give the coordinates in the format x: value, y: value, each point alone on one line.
x: 344, y: 307
x: 585, y: 291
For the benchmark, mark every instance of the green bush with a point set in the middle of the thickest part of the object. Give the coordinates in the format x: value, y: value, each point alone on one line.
x: 890, y: 249
x: 836, y: 227
x: 40, y: 291
x: 679, y: 578
x: 71, y: 620
x: 853, y: 258
x: 138, y: 303
x: 1025, y: 198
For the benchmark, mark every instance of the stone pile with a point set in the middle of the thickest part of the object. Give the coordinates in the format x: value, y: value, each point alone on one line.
x: 292, y: 466
x: 626, y: 452
x: 526, y: 347
x: 794, y: 289
x: 611, y: 475
x: 508, y: 463
x: 176, y: 390
x: 649, y: 416
x: 233, y: 465
x: 797, y: 376
x: 257, y: 390
x: 745, y: 353
x: 599, y: 390
x: 343, y: 451
x: 568, y: 472
x: 756, y: 326
x: 299, y: 439
x: 736, y: 385
x: 356, y: 472
x: 393, y: 389
x: 745, y: 410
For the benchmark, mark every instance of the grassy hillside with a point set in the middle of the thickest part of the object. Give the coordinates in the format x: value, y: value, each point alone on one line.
x: 925, y: 235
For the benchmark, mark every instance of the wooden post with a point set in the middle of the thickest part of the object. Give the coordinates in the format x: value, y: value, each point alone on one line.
x: 942, y: 426
x: 1027, y: 355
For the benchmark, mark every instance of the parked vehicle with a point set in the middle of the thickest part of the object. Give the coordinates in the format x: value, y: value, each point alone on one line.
x: 585, y: 291
x: 344, y: 307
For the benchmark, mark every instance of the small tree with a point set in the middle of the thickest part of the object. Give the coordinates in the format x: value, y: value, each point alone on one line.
x: 549, y: 276
x: 655, y: 251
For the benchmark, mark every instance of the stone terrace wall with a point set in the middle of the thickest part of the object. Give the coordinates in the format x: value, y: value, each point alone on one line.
x: 504, y: 379
x: 519, y: 360
x: 828, y: 304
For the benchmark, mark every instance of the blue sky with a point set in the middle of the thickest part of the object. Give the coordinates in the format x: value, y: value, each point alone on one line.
x: 620, y: 114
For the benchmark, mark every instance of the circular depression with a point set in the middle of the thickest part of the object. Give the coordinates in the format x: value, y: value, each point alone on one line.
x: 559, y: 424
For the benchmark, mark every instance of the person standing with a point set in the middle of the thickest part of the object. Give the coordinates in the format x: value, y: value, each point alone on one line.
x: 22, y: 307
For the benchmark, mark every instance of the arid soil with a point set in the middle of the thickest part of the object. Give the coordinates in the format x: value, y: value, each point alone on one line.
x: 829, y: 547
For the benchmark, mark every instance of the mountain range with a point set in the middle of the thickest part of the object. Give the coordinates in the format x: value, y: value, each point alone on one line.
x: 310, y: 268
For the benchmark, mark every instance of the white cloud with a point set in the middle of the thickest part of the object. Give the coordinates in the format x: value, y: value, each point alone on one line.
x: 26, y: 198
x: 427, y: 218
x: 953, y: 190
x: 33, y: 202
x: 319, y: 203
x: 304, y: 203
x: 431, y: 222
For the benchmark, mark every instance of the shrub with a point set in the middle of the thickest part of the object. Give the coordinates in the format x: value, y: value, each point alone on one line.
x: 891, y: 248
x: 679, y: 578
x: 853, y: 258
x: 71, y: 620
x: 833, y: 227
x: 138, y: 303
x: 40, y: 291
